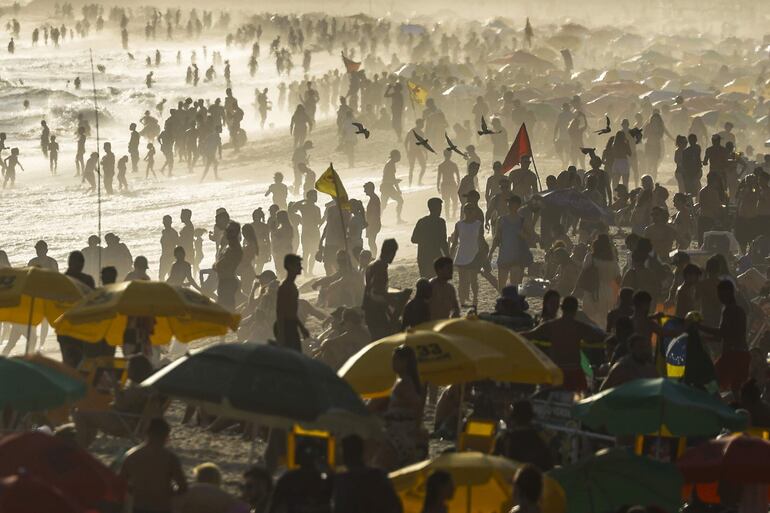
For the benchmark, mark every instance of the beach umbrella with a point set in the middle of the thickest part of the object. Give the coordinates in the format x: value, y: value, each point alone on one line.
x: 61, y: 414
x: 267, y: 384
x: 482, y: 483
x: 736, y: 458
x: 70, y: 469
x: 524, y: 362
x: 27, y: 494
x: 27, y: 387
x: 616, y: 477
x: 178, y: 312
x: 30, y: 294
x: 577, y: 203
x: 442, y: 359
x: 659, y: 405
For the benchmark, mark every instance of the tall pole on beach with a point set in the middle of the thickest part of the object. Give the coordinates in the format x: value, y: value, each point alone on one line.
x: 98, y: 161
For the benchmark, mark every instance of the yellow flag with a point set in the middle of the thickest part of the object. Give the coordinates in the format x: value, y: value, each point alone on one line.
x: 330, y: 183
x: 417, y: 93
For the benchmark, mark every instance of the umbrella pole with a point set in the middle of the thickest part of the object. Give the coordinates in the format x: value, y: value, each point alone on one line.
x: 460, y: 414
x: 469, y: 502
x: 29, y: 325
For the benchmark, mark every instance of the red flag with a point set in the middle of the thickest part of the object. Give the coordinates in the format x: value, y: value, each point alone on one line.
x: 520, y: 147
x: 350, y: 65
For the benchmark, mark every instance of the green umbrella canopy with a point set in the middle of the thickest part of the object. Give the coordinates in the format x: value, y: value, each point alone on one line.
x: 616, y: 477
x: 648, y: 406
x: 27, y: 387
x: 267, y: 384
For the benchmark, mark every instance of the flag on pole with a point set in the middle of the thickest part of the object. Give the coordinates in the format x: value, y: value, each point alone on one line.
x: 417, y: 93
x: 520, y: 147
x: 528, y: 33
x: 330, y: 183
x: 350, y: 65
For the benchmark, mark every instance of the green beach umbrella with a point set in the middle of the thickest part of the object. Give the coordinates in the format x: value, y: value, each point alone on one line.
x: 274, y: 386
x: 27, y: 387
x: 659, y: 405
x: 616, y: 477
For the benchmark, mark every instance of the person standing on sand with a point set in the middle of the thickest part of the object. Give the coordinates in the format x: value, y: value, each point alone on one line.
x: 289, y: 329
x: 226, y: 266
x: 81, y: 151
x: 153, y: 472
x: 169, y: 239
x: 431, y: 238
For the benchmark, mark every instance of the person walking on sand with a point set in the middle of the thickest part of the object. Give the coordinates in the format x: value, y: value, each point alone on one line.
x: 389, y: 188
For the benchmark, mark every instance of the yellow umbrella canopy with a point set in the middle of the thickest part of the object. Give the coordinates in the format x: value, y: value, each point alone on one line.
x: 30, y: 294
x: 525, y: 363
x: 178, y: 312
x: 443, y: 359
x: 483, y: 483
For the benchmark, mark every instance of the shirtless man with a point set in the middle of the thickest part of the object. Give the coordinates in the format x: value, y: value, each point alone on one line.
x: 416, y: 153
x: 288, y: 326
x: 687, y: 299
x: 497, y: 204
x: 447, y: 179
x: 108, y: 167
x: 81, y: 151
x: 524, y: 180
x: 153, y: 472
x: 661, y: 234
x: 373, y: 216
x: 169, y: 239
x: 133, y: 147
x: 493, y: 182
x: 310, y: 219
x: 711, y: 201
x: 733, y: 365
x: 378, y: 303
x: 389, y: 188
x: 443, y: 300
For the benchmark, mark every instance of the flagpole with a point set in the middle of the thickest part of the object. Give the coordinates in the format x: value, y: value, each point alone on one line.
x: 532, y: 158
x: 98, y: 160
x: 339, y: 206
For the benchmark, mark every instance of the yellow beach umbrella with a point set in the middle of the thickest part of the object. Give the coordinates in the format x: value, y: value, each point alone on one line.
x: 442, y: 359
x: 178, y: 312
x: 525, y: 362
x: 483, y: 484
x: 30, y: 294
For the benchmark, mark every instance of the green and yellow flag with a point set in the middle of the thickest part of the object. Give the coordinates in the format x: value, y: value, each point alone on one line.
x: 417, y: 93
x: 331, y: 184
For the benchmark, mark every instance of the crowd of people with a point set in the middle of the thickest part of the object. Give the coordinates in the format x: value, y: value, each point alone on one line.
x: 627, y: 242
